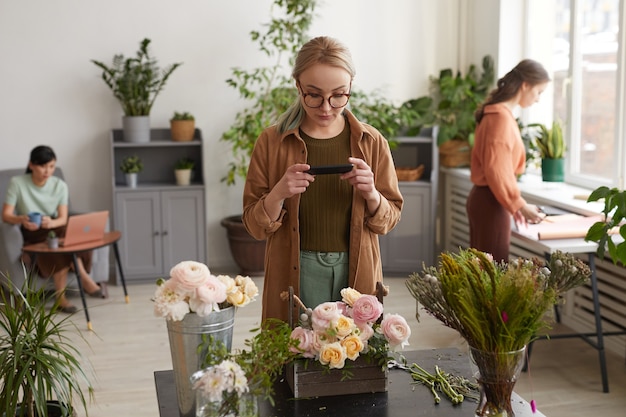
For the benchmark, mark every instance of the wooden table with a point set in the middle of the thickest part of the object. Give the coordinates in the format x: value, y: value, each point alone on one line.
x: 110, y: 238
x: 528, y: 238
x: 403, y: 399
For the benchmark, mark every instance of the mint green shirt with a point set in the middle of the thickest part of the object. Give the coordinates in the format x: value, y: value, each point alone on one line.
x: 26, y: 197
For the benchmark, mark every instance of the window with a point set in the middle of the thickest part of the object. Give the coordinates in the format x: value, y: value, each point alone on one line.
x: 587, y: 64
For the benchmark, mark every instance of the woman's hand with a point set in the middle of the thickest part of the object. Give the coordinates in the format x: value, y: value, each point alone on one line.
x: 362, y: 179
x: 46, y: 222
x: 294, y: 181
x: 27, y: 224
x: 529, y: 214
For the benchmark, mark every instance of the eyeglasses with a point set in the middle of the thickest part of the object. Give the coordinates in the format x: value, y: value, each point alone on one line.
x: 316, y: 100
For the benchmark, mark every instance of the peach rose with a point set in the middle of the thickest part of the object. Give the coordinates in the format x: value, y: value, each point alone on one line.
x: 396, y: 330
x: 344, y: 326
x: 366, y: 309
x: 349, y: 296
x: 353, y: 345
x: 333, y: 355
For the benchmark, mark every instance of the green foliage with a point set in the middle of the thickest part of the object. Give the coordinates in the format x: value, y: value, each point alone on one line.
x: 453, y: 99
x: 52, y: 234
x: 131, y: 164
x: 37, y: 358
x: 136, y: 81
x: 270, y: 91
x: 495, y: 307
x: 184, y: 163
x: 182, y: 116
x: 549, y: 142
x: 263, y: 359
x: 614, y: 213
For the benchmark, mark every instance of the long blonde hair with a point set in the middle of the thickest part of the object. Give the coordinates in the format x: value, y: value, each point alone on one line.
x: 320, y: 50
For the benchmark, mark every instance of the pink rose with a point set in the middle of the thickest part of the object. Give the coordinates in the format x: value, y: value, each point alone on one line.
x: 323, y: 314
x: 306, y: 339
x: 396, y: 330
x: 207, y: 297
x: 366, y: 309
x: 189, y: 275
x: 365, y: 331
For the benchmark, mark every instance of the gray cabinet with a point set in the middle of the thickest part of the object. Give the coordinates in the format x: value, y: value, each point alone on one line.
x: 161, y: 223
x: 412, y: 242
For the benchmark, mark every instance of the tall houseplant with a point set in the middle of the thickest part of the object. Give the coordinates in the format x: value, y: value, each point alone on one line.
x: 136, y: 82
x: 450, y: 105
x: 40, y: 369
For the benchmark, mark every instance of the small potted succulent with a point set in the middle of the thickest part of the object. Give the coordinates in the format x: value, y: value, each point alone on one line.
x: 131, y: 166
x: 182, y: 170
x: 182, y: 126
x: 53, y: 240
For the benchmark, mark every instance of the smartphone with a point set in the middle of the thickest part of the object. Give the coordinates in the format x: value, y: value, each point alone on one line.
x: 330, y: 169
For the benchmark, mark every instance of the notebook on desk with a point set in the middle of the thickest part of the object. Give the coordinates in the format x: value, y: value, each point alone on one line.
x: 82, y: 228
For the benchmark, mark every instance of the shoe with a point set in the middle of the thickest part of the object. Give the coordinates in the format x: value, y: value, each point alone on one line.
x: 68, y: 309
x: 104, y: 288
x: 96, y: 294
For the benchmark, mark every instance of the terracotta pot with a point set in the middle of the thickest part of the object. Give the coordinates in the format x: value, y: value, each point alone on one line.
x: 248, y: 253
x: 182, y: 130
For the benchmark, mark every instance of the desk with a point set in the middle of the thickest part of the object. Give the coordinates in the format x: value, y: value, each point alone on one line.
x: 110, y: 238
x: 403, y: 399
x: 575, y: 246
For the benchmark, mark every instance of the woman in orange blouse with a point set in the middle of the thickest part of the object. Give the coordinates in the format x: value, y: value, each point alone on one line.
x: 498, y: 157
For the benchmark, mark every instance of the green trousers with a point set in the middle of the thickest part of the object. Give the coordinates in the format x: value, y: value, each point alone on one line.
x: 322, y: 276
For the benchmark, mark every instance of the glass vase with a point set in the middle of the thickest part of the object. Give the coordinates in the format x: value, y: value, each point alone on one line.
x: 230, y: 405
x: 496, y: 374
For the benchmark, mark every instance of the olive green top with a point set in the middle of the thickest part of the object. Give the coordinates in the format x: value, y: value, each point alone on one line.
x: 325, y: 207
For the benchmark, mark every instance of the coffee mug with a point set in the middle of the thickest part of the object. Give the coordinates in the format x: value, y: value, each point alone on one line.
x: 35, y: 217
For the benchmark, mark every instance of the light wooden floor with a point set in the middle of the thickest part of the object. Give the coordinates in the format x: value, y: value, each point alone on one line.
x: 129, y: 343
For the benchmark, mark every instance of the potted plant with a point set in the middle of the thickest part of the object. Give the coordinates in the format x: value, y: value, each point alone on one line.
x: 550, y: 144
x: 131, y: 166
x: 451, y: 105
x: 53, y: 240
x: 182, y: 170
x: 136, y: 82
x: 41, y: 371
x: 182, y: 126
x: 614, y: 215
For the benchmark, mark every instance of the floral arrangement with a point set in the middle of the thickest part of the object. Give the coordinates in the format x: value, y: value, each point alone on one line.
x: 192, y: 288
x: 495, y: 307
x: 498, y: 308
x: 334, y: 332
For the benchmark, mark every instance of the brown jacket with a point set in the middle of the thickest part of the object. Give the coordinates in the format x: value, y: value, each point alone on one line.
x: 271, y: 157
x: 499, y: 156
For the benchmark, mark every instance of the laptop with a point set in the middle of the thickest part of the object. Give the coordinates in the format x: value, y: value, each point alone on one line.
x: 82, y: 228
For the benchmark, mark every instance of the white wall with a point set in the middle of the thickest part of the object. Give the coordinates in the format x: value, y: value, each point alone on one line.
x: 50, y: 92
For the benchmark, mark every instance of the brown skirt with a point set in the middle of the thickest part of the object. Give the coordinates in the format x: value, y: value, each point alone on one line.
x: 489, y: 222
x: 48, y: 264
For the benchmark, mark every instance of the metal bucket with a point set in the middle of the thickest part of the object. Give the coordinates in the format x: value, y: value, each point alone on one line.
x: 185, y: 336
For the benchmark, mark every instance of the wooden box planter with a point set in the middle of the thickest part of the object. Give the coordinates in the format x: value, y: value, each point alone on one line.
x: 308, y: 378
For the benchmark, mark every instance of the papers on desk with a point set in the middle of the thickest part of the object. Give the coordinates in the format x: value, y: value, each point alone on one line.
x: 564, y: 226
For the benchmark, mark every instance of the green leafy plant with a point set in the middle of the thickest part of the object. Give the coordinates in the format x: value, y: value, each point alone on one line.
x: 182, y: 116
x: 454, y: 98
x: 614, y: 213
x: 131, y: 165
x: 136, y: 81
x: 52, y: 234
x: 548, y: 141
x: 184, y: 163
x: 37, y: 358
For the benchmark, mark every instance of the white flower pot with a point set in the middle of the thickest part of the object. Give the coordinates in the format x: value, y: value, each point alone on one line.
x: 183, y: 176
